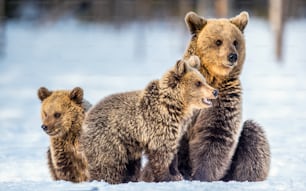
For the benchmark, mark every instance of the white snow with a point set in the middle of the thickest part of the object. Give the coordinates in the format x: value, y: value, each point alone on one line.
x: 105, y: 59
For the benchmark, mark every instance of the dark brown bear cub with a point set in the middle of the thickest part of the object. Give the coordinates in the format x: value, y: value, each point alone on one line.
x: 62, y: 114
x: 121, y: 126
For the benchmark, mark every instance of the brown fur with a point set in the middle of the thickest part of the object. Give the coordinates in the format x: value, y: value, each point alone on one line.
x: 62, y: 115
x: 121, y: 126
x: 212, y: 150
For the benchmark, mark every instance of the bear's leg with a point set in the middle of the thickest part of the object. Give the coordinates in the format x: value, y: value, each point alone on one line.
x: 183, y: 159
x: 147, y: 174
x: 157, y: 169
x: 210, y: 157
x: 114, y: 173
x: 133, y: 170
x: 51, y: 167
x: 109, y: 163
x: 173, y: 168
x: 251, y: 161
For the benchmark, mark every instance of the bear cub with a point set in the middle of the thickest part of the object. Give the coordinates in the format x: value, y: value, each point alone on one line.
x: 121, y: 126
x: 62, y: 114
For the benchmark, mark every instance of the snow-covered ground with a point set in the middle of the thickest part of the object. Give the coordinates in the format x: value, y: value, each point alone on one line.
x: 104, y: 59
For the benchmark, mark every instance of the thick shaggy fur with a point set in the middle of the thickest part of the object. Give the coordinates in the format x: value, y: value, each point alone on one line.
x: 121, y: 126
x: 216, y: 145
x: 62, y: 115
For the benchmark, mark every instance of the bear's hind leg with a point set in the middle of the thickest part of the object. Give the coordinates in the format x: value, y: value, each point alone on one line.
x: 133, y: 170
x: 111, y: 173
x: 183, y: 160
x: 108, y: 164
x: 251, y: 161
x: 173, y: 168
x: 158, y: 167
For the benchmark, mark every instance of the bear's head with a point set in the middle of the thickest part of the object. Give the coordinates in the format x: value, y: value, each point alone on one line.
x: 219, y: 43
x: 189, y: 83
x: 61, y: 110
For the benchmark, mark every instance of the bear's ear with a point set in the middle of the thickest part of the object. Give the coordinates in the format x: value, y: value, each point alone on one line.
x: 241, y: 20
x: 194, y: 61
x: 194, y: 22
x: 43, y: 93
x: 76, y: 95
x: 181, y: 67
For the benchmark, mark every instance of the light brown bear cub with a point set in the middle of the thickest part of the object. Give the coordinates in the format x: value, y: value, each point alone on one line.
x: 121, y: 126
x: 62, y: 114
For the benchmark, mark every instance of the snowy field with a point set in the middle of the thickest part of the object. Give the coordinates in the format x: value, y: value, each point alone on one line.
x: 104, y: 59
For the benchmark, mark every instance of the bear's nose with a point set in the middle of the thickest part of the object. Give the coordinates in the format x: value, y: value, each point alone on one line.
x: 215, y: 93
x: 232, y: 57
x: 44, y: 127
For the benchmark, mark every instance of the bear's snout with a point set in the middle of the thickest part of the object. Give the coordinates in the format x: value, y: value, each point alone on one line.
x: 44, y: 127
x: 232, y: 57
x: 215, y: 93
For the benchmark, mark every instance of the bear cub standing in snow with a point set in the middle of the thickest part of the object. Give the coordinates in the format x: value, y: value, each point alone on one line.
x: 62, y: 115
x: 121, y: 126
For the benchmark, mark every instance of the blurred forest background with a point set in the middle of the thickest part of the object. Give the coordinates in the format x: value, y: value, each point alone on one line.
x: 121, y: 12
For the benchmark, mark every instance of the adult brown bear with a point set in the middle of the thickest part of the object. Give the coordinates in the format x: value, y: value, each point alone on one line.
x: 217, y: 146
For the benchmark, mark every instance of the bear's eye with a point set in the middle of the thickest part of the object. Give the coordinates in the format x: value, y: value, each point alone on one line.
x: 198, y: 84
x: 235, y: 43
x: 218, y: 42
x: 57, y: 115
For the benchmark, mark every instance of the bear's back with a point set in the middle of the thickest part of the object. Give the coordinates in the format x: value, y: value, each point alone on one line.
x: 115, y: 108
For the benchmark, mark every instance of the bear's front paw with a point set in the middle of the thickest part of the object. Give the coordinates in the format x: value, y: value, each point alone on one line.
x: 148, y: 176
x: 177, y: 177
x: 167, y: 177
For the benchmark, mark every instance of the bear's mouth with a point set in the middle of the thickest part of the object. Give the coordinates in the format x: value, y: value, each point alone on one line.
x: 230, y: 64
x: 207, y: 101
x: 52, y: 132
